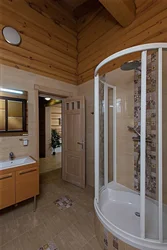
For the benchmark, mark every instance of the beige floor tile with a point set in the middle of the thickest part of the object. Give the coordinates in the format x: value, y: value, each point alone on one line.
x: 57, y: 223
x: 27, y: 222
x: 85, y: 225
x: 23, y: 208
x: 12, y: 245
x: 75, y: 213
x: 94, y: 244
x: 43, y: 200
x: 86, y: 202
x: 77, y: 235
x: 6, y: 215
x: 71, y: 215
x: 47, y: 177
x: 87, y: 247
x: 46, y: 212
x: 16, y: 227
x: 72, y: 238
x: 49, y: 187
x: 61, y: 244
x: 8, y: 232
x: 35, y: 238
x: 89, y: 191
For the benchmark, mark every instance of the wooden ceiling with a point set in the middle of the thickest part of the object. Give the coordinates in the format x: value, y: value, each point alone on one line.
x: 57, y: 9
x: 73, y: 3
x: 67, y: 12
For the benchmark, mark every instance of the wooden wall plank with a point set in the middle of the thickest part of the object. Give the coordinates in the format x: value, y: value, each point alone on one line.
x: 47, y: 10
x: 22, y: 9
x: 85, y: 20
x: 53, y: 75
x: 142, y: 5
x: 40, y: 48
x: 95, y: 29
x: 49, y: 46
x: 33, y: 57
x: 149, y: 26
x: 37, y: 34
x: 56, y: 12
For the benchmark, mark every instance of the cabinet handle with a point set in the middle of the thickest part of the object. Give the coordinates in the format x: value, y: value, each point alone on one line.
x: 5, y: 177
x: 28, y: 171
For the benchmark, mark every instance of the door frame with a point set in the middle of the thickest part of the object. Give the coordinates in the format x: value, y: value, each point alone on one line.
x: 48, y: 91
x: 47, y: 128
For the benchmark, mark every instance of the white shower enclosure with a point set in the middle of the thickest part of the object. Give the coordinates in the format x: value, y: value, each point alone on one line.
x: 104, y: 193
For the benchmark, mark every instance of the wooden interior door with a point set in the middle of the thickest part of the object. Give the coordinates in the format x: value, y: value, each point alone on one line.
x: 73, y: 140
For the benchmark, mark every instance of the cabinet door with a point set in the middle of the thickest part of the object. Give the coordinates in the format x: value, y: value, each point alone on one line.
x: 7, y: 189
x: 27, y: 183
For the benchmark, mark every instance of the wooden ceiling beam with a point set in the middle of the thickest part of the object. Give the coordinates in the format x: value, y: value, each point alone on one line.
x: 124, y: 11
x: 87, y: 7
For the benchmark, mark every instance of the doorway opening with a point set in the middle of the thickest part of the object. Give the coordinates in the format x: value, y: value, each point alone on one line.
x: 69, y: 155
x: 50, y: 133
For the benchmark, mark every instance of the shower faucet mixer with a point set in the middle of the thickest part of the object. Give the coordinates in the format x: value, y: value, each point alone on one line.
x: 134, y: 129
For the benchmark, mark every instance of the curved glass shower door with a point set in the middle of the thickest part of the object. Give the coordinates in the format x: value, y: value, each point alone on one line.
x: 135, y: 185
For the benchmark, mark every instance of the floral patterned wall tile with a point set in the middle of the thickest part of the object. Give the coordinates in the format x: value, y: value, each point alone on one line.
x: 151, y: 127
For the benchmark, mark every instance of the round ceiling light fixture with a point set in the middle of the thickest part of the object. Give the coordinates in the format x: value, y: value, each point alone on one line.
x: 47, y: 98
x: 11, y: 35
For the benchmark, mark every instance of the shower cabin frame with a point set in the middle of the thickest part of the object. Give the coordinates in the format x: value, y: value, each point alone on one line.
x: 106, y: 88
x: 143, y: 49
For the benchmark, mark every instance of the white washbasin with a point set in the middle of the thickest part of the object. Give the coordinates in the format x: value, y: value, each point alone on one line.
x: 17, y: 162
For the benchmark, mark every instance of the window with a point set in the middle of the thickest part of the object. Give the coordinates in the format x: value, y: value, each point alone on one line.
x: 12, y: 115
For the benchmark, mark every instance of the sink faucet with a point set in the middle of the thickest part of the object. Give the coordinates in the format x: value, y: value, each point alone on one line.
x: 11, y: 156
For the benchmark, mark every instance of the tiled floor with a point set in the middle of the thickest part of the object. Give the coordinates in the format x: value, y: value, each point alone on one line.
x: 70, y: 229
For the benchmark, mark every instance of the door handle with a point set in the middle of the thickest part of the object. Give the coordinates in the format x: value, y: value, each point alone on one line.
x: 81, y: 143
x: 28, y: 171
x: 5, y: 177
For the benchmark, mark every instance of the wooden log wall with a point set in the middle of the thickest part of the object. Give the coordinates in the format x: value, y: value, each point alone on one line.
x: 54, y: 45
x: 100, y: 35
x: 49, y: 38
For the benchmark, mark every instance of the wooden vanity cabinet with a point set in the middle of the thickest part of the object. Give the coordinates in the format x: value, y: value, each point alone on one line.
x: 27, y: 182
x: 7, y: 188
x: 18, y: 184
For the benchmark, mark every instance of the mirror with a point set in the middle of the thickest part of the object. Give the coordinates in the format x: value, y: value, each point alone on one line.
x: 13, y: 112
x: 11, y: 35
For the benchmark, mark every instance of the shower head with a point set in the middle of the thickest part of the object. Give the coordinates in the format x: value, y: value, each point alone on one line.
x: 131, y: 65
